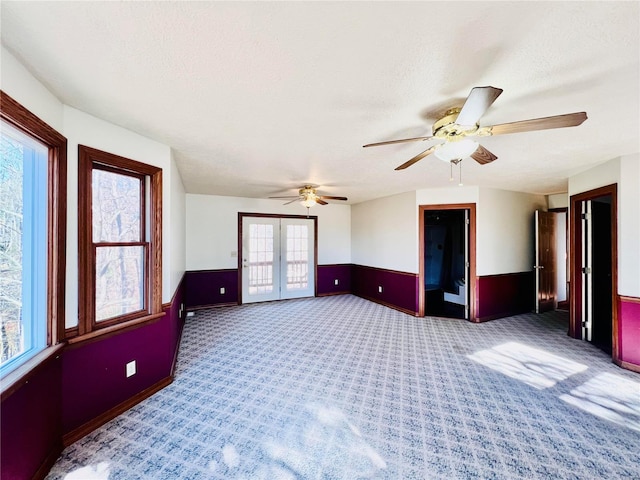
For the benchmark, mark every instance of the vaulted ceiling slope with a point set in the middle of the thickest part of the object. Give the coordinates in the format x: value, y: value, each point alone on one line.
x: 255, y: 98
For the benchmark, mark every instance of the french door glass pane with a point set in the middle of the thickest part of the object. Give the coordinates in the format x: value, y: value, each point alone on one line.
x: 116, y: 206
x: 119, y: 281
x: 260, y: 266
x: 297, y: 257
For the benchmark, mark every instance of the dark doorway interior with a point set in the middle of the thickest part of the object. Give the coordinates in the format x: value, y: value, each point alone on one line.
x: 444, y: 263
x: 601, y: 291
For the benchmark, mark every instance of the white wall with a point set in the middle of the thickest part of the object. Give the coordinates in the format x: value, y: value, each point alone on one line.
x: 177, y: 229
x: 624, y: 171
x: 212, y: 229
x: 558, y: 200
x: 629, y: 226
x: 447, y: 196
x: 505, y: 231
x: 81, y: 128
x: 19, y: 84
x: 384, y: 233
x: 606, y: 173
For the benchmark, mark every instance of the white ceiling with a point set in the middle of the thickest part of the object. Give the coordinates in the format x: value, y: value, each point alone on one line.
x: 255, y: 98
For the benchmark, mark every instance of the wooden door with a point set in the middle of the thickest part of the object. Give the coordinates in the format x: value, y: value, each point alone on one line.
x: 545, y: 267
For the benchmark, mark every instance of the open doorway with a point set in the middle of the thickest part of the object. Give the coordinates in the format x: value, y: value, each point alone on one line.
x: 562, y: 257
x: 447, y: 261
x: 593, y: 268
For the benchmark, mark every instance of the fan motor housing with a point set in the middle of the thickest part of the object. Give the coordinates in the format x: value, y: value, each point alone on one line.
x: 447, y: 129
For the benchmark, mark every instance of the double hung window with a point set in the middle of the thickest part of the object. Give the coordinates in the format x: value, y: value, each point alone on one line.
x: 119, y: 240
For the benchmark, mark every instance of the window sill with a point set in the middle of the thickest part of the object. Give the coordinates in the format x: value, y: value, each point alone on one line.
x: 13, y: 380
x: 113, y: 329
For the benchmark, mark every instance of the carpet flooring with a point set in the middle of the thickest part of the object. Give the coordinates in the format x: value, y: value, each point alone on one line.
x: 342, y: 388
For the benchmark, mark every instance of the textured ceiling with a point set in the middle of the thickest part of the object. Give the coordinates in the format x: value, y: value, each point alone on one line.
x: 255, y: 98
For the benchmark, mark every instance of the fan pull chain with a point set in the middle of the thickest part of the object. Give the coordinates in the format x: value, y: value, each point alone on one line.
x: 451, y: 174
x: 460, y: 166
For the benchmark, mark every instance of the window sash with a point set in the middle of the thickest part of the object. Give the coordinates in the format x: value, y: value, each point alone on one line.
x: 141, y: 203
x: 143, y: 284
x: 32, y: 324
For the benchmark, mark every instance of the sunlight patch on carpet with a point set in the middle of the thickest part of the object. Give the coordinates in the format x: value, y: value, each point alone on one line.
x: 609, y: 396
x: 532, y: 366
x: 324, y: 443
x: 90, y: 472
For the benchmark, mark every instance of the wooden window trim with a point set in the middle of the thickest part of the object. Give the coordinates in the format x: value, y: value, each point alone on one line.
x: 88, y: 160
x: 22, y: 119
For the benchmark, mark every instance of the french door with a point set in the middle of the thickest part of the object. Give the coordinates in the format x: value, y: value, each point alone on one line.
x: 278, y: 258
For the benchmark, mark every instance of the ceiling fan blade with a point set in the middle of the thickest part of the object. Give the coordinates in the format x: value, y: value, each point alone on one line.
x: 291, y: 201
x: 403, y: 140
x: 321, y: 202
x: 557, y: 121
x: 478, y: 101
x: 284, y: 198
x: 483, y: 156
x: 329, y: 197
x: 417, y: 158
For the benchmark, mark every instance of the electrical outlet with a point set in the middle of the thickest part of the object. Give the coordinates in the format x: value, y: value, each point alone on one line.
x: 131, y: 368
x: 222, y: 290
x: 379, y: 288
x: 335, y: 282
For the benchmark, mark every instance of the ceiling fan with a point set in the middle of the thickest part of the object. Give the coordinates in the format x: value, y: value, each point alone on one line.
x: 459, y: 125
x: 308, y: 197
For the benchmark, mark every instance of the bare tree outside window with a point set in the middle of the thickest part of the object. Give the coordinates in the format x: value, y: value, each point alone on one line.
x: 11, y: 213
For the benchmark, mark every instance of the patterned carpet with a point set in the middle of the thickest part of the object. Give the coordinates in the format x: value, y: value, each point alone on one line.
x: 342, y: 388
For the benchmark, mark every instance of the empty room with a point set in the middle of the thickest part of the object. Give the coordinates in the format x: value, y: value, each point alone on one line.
x: 319, y: 240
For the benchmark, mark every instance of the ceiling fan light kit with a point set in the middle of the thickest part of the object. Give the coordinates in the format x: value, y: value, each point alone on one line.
x: 456, y: 150
x: 457, y: 124
x: 308, y: 197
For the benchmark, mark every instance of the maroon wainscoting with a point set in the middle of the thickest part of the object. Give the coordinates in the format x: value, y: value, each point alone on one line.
x: 399, y: 289
x: 327, y: 276
x: 31, y: 423
x: 202, y: 287
x: 94, y: 381
x: 629, y: 331
x: 176, y: 311
x: 93, y: 373
x: 504, y: 295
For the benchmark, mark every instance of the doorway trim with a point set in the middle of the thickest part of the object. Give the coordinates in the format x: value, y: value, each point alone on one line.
x: 564, y: 305
x: 241, y: 215
x: 472, y: 253
x: 575, y: 287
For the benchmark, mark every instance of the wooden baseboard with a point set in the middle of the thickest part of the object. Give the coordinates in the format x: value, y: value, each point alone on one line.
x: 175, y: 355
x: 48, y: 462
x: 329, y: 294
x: 213, y: 305
x: 395, y: 307
x: 627, y: 366
x: 91, y: 425
x: 497, y: 316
